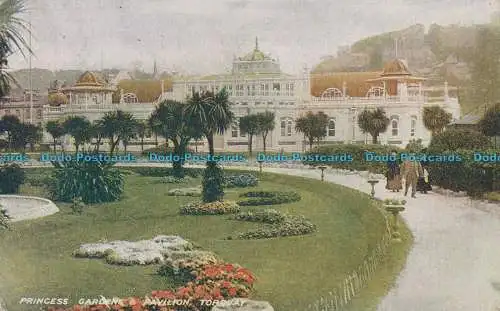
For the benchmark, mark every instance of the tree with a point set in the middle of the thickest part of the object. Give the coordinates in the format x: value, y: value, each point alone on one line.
x: 176, y: 127
x: 211, y: 114
x: 56, y: 129
x: 79, y: 128
x: 11, y: 39
x: 155, y: 127
x: 313, y: 126
x: 130, y: 133
x: 266, y: 124
x: 34, y: 135
x: 435, y: 119
x: 250, y: 125
x: 97, y: 132
x: 485, y: 67
x: 373, y: 122
x: 141, y: 129
x: 117, y: 126
x: 9, y: 124
x: 489, y: 125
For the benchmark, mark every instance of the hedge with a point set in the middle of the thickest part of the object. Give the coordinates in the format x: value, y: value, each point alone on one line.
x: 358, y: 162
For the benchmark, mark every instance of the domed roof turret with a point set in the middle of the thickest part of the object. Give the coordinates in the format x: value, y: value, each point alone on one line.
x: 256, y: 54
x: 396, y: 67
x: 57, y: 99
x: 90, y: 78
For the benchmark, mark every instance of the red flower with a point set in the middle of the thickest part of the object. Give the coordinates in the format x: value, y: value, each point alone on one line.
x: 232, y: 291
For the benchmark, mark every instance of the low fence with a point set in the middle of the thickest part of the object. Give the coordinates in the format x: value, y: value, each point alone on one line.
x: 356, y: 280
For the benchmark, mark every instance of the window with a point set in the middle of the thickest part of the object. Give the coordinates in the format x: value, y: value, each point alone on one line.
x: 240, y: 90
x: 331, y: 128
x: 375, y: 92
x: 18, y: 112
x: 94, y: 99
x: 276, y: 89
x: 413, y: 127
x: 394, y: 125
x: 291, y: 89
x: 234, y: 130
x: 253, y: 89
x: 266, y: 89
x: 286, y: 126
x: 230, y: 89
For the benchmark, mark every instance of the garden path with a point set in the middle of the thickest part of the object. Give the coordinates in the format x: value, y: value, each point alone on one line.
x: 454, y: 264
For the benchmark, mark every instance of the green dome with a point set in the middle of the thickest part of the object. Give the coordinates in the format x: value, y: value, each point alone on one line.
x: 256, y: 54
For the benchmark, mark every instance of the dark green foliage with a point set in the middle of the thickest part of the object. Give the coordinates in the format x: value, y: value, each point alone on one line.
x: 373, y: 122
x: 313, y: 126
x: 268, y: 198
x: 11, y: 178
x: 38, y: 180
x: 213, y: 181
x: 211, y: 208
x: 454, y: 139
x: 4, y: 218
x: 77, y: 206
x: 93, y: 182
x: 281, y: 225
x: 241, y: 180
x: 490, y: 123
x: 357, y: 151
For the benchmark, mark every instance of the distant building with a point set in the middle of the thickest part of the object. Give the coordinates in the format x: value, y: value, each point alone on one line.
x: 19, y: 105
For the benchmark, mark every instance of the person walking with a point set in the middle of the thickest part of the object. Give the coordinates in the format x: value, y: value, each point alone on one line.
x: 393, y: 175
x: 411, y: 171
x: 423, y: 184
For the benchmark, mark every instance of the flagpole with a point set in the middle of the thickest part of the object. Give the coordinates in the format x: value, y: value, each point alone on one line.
x: 30, y: 74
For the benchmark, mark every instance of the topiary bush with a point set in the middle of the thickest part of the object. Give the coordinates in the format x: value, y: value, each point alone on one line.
x: 268, y: 197
x: 212, y: 184
x: 269, y: 216
x: 210, y: 208
x: 12, y: 177
x: 77, y: 206
x: 4, y: 218
x: 241, y: 180
x: 93, y: 182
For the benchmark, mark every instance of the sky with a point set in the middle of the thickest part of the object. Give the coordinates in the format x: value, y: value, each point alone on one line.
x: 202, y: 36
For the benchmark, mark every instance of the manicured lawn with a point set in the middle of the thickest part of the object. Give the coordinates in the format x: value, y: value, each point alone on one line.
x: 293, y: 272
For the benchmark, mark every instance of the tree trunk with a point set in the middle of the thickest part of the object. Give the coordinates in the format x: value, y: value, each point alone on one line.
x: 98, y: 144
x: 156, y: 140
x: 196, y: 146
x: 142, y: 144
x: 113, y: 146
x: 210, y: 139
x: 374, y: 139
x: 179, y: 150
x: 54, y: 145
x: 250, y: 139
x: 311, y: 142
x: 264, y: 137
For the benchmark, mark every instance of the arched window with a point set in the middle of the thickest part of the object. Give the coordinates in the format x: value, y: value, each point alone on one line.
x: 375, y: 92
x: 413, y: 126
x: 330, y: 131
x: 394, y: 125
x: 332, y: 93
x: 286, y: 126
x: 130, y: 98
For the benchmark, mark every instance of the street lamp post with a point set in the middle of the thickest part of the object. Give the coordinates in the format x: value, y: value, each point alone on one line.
x: 260, y: 165
x: 322, y: 168
x: 373, y: 182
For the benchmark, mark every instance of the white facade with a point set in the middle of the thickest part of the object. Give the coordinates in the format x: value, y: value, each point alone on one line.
x: 256, y: 84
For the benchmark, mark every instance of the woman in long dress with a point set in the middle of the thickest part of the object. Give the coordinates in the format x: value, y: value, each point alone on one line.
x: 393, y: 176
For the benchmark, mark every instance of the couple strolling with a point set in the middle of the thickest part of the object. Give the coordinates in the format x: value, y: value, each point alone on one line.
x: 413, y: 173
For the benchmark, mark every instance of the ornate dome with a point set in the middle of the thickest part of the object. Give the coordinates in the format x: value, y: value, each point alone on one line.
x: 90, y: 78
x: 396, y: 67
x: 256, y: 54
x: 57, y: 99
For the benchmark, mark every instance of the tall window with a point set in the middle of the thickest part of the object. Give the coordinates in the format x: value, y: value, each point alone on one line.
x: 234, y: 130
x: 276, y: 89
x: 266, y: 89
x: 286, y: 126
x: 413, y: 126
x: 331, y: 127
x: 291, y: 89
x: 240, y: 90
x: 229, y: 89
x: 394, y: 125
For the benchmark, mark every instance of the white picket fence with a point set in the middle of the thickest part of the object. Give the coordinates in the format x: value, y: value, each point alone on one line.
x: 340, y: 297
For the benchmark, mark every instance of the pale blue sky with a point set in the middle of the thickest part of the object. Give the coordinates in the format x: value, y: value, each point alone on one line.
x: 201, y: 36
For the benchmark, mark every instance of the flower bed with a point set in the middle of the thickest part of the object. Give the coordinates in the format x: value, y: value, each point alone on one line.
x: 394, y: 202
x: 212, y: 208
x: 268, y: 198
x: 281, y: 225
x: 183, y: 264
x: 241, y: 180
x: 191, y: 192
x: 174, y: 180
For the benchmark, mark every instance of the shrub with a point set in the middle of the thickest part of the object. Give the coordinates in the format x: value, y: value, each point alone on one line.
x: 94, y: 182
x: 290, y: 226
x: 4, y: 218
x: 242, y: 180
x: 212, y: 183
x: 455, y: 139
x: 183, y: 265
x: 11, y: 178
x: 191, y: 192
x: 211, y: 208
x: 268, y: 198
x: 77, y: 206
x: 394, y: 202
x: 268, y: 216
x: 165, y: 171
x: 37, y: 180
x: 357, y: 152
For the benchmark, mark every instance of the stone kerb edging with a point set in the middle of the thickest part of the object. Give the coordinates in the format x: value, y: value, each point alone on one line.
x: 46, y: 209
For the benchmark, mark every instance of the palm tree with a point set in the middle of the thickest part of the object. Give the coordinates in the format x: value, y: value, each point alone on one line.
x: 56, y: 130
x: 118, y: 126
x: 9, y: 124
x: 266, y: 125
x: 155, y: 127
x: 435, y: 119
x: 250, y: 125
x: 313, y: 126
x: 97, y: 132
x: 211, y: 114
x: 11, y: 39
x: 79, y: 128
x: 141, y: 128
x: 34, y: 135
x: 373, y: 122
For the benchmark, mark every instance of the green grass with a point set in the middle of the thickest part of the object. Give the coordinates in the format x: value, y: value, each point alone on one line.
x: 292, y: 272
x: 385, y: 276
